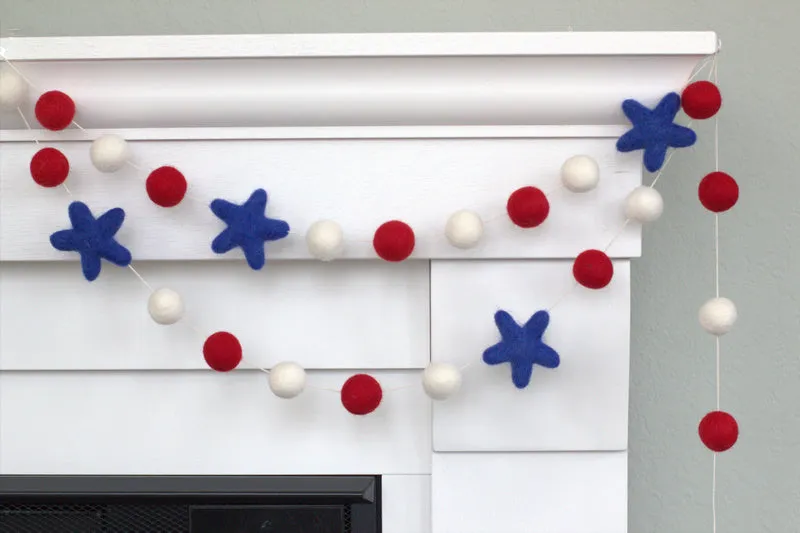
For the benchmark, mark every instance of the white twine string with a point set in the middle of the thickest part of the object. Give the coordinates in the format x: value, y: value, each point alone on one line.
x: 714, y: 73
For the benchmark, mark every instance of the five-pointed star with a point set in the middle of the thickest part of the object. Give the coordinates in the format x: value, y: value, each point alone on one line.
x: 522, y: 346
x: 92, y: 238
x: 654, y: 130
x: 248, y: 228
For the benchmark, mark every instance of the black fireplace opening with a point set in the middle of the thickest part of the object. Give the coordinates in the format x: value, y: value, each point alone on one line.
x: 190, y: 504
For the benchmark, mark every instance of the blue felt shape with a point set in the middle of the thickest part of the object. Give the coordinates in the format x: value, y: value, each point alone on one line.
x: 92, y: 238
x: 654, y: 130
x: 522, y: 346
x: 248, y: 228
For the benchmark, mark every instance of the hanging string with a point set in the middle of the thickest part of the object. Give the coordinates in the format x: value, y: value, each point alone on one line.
x: 714, y: 72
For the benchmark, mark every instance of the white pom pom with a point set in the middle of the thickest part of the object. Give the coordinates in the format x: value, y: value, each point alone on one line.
x: 325, y: 240
x: 109, y: 153
x: 165, y: 306
x: 644, y: 204
x: 718, y: 315
x: 441, y: 380
x: 13, y: 89
x: 580, y: 173
x: 287, y: 380
x: 464, y: 229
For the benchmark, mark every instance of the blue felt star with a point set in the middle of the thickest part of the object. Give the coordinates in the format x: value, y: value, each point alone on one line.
x: 248, y: 228
x: 92, y: 238
x: 654, y: 130
x: 522, y: 347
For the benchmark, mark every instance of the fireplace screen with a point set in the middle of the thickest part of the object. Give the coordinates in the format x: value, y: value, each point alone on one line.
x: 191, y: 504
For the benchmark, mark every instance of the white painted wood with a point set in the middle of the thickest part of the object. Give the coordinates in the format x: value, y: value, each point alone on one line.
x: 201, y: 422
x: 362, y: 45
x: 530, y: 492
x: 581, y: 405
x: 406, y: 504
x: 360, y: 184
x: 337, y: 315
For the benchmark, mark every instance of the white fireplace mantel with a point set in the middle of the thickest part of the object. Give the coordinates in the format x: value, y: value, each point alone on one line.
x: 359, y: 129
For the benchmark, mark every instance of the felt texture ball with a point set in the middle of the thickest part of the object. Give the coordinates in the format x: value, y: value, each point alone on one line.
x: 717, y: 316
x: 644, y: 204
x: 165, y: 306
x: 49, y: 167
x: 13, y: 89
x: 55, y: 110
x: 361, y: 394
x: 441, y: 380
x: 718, y: 192
x: 325, y: 240
x: 593, y: 269
x: 222, y: 351
x: 580, y: 173
x: 719, y: 431
x: 166, y: 186
x: 528, y: 207
x: 701, y: 100
x: 109, y: 153
x: 287, y: 380
x: 464, y: 229
x: 393, y: 241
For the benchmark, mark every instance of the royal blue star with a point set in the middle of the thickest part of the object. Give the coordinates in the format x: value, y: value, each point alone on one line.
x: 248, y: 228
x: 654, y: 130
x: 521, y: 347
x: 92, y: 238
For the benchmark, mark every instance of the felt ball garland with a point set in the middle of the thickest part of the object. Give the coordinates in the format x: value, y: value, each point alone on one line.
x: 222, y: 351
x: 394, y: 241
x: 701, y: 100
x: 528, y: 207
x: 13, y: 89
x: 166, y: 186
x: 361, y: 394
x: 49, y: 167
x: 593, y: 269
x: 718, y: 192
x: 55, y: 110
x: 719, y: 431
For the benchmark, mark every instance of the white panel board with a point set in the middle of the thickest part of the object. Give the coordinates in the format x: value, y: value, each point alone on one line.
x: 359, y: 183
x: 205, y: 423
x: 355, y: 314
x: 530, y: 492
x: 406, y: 504
x: 581, y: 405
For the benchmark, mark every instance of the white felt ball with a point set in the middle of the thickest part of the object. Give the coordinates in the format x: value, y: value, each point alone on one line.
x: 325, y: 240
x: 13, y: 89
x: 109, y: 153
x: 441, y: 380
x: 717, y: 316
x: 287, y: 380
x: 464, y: 229
x: 580, y: 173
x: 644, y: 204
x: 165, y: 306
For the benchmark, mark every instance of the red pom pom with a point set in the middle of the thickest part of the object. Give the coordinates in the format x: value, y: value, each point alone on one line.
x: 701, y: 100
x: 393, y: 241
x: 361, y: 394
x: 166, y: 186
x: 593, y: 269
x: 528, y: 207
x: 718, y: 430
x: 55, y: 110
x: 718, y: 192
x: 49, y: 167
x: 222, y: 351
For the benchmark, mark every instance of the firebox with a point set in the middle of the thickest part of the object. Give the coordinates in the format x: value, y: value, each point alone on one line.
x: 190, y: 504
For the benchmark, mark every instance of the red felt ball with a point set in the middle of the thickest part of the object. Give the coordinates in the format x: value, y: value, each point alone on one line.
x: 393, y: 241
x: 593, y: 269
x: 718, y: 430
x: 222, y: 351
x: 718, y: 192
x: 55, y: 110
x: 166, y: 186
x: 528, y: 207
x: 361, y: 394
x: 701, y: 100
x: 49, y: 167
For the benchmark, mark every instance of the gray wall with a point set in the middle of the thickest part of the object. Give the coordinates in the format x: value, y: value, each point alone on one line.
x: 672, y: 359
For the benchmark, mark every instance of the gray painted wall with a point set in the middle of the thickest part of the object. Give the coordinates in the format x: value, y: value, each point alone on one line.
x: 672, y: 359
